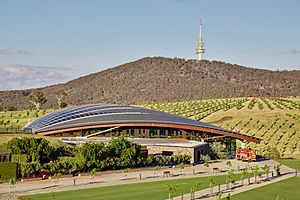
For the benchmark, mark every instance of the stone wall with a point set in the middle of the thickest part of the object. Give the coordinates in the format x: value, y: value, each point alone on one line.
x: 153, y: 149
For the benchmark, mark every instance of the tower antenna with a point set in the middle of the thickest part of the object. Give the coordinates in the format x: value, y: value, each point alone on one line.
x: 200, y: 47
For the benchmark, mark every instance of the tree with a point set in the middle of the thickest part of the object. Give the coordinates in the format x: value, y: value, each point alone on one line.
x: 229, y: 177
x: 266, y: 169
x: 91, y: 155
x: 206, y: 164
x: 125, y: 172
x: 57, y: 176
x: 194, y: 188
x: 255, y: 171
x: 229, y: 164
x: 211, y: 182
x: 277, y: 169
x: 59, y: 95
x: 219, y: 150
x: 12, y: 183
x: 37, y: 98
x: 37, y: 149
x: 180, y: 166
x: 172, y: 189
x: 155, y: 170
x: 244, y: 173
x: 63, y: 105
x: 93, y: 173
x: 126, y: 153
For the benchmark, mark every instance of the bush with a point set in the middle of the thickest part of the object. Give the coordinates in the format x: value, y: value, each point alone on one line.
x: 11, y: 108
x: 8, y: 170
x: 63, y: 105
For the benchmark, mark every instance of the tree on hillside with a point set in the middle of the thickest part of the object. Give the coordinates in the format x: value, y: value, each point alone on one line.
x: 37, y: 98
x: 59, y: 95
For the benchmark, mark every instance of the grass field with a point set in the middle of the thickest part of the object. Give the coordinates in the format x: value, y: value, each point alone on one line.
x: 292, y: 163
x: 143, y: 191
x: 283, y: 190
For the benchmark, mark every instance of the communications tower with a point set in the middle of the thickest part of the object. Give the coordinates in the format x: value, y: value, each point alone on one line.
x: 200, y: 47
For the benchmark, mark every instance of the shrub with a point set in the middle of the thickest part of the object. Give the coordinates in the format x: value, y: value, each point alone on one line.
x: 8, y: 170
x: 63, y: 105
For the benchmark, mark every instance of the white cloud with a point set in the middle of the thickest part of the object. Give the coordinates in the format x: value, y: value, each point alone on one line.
x: 16, y: 76
x: 11, y: 51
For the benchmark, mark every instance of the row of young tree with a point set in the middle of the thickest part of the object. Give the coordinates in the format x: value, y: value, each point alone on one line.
x: 35, y: 154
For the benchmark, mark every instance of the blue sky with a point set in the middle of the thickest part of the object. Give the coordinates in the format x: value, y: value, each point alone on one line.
x: 63, y: 39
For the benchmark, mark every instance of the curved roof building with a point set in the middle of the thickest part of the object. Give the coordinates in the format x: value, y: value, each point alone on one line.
x: 111, y: 120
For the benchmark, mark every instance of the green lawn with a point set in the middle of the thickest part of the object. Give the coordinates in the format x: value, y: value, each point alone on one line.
x: 283, y: 190
x: 292, y: 163
x: 150, y: 190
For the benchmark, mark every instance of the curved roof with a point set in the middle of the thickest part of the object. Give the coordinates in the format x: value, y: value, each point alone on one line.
x: 116, y: 115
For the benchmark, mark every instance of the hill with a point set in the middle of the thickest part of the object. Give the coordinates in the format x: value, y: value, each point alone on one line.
x: 159, y: 79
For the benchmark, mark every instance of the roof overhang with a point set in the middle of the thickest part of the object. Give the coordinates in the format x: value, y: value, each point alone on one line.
x: 160, y: 125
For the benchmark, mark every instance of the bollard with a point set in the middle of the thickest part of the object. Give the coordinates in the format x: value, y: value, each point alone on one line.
x: 296, y: 173
x: 140, y: 176
x: 219, y: 188
x: 248, y: 180
x: 74, y: 182
x: 194, y: 172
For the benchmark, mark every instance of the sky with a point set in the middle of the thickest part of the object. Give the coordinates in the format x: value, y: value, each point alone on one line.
x: 53, y: 41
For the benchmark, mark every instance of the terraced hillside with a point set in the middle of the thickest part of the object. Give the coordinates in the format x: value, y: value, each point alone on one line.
x: 275, y: 120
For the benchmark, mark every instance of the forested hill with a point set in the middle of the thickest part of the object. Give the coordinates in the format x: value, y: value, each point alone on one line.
x: 158, y: 78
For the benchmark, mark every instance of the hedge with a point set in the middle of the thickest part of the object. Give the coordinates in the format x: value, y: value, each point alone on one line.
x: 8, y: 170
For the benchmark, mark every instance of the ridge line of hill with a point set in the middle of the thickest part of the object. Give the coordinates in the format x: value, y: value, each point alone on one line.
x: 160, y: 79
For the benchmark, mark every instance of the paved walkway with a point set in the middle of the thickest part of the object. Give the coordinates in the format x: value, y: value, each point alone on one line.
x: 238, y: 187
x: 37, y: 186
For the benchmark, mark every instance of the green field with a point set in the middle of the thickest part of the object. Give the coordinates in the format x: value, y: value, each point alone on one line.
x: 283, y: 190
x: 144, y: 191
x: 292, y: 163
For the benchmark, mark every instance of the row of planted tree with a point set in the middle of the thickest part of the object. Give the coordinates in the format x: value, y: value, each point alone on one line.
x: 231, y: 180
x: 35, y: 155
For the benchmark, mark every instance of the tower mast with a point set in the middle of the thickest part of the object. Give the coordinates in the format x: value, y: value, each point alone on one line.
x: 200, y: 48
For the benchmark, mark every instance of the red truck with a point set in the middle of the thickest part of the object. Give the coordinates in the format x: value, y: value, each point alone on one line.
x: 245, y: 154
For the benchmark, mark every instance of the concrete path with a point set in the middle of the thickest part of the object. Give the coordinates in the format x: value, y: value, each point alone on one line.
x: 239, y: 187
x: 37, y: 186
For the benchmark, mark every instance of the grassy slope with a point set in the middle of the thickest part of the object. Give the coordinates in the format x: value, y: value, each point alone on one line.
x: 144, y: 191
x: 287, y: 189
x: 265, y: 117
x: 292, y: 163
x: 12, y: 121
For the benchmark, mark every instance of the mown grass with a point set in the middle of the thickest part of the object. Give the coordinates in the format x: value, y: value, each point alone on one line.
x: 284, y: 190
x: 292, y: 163
x: 143, y: 191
